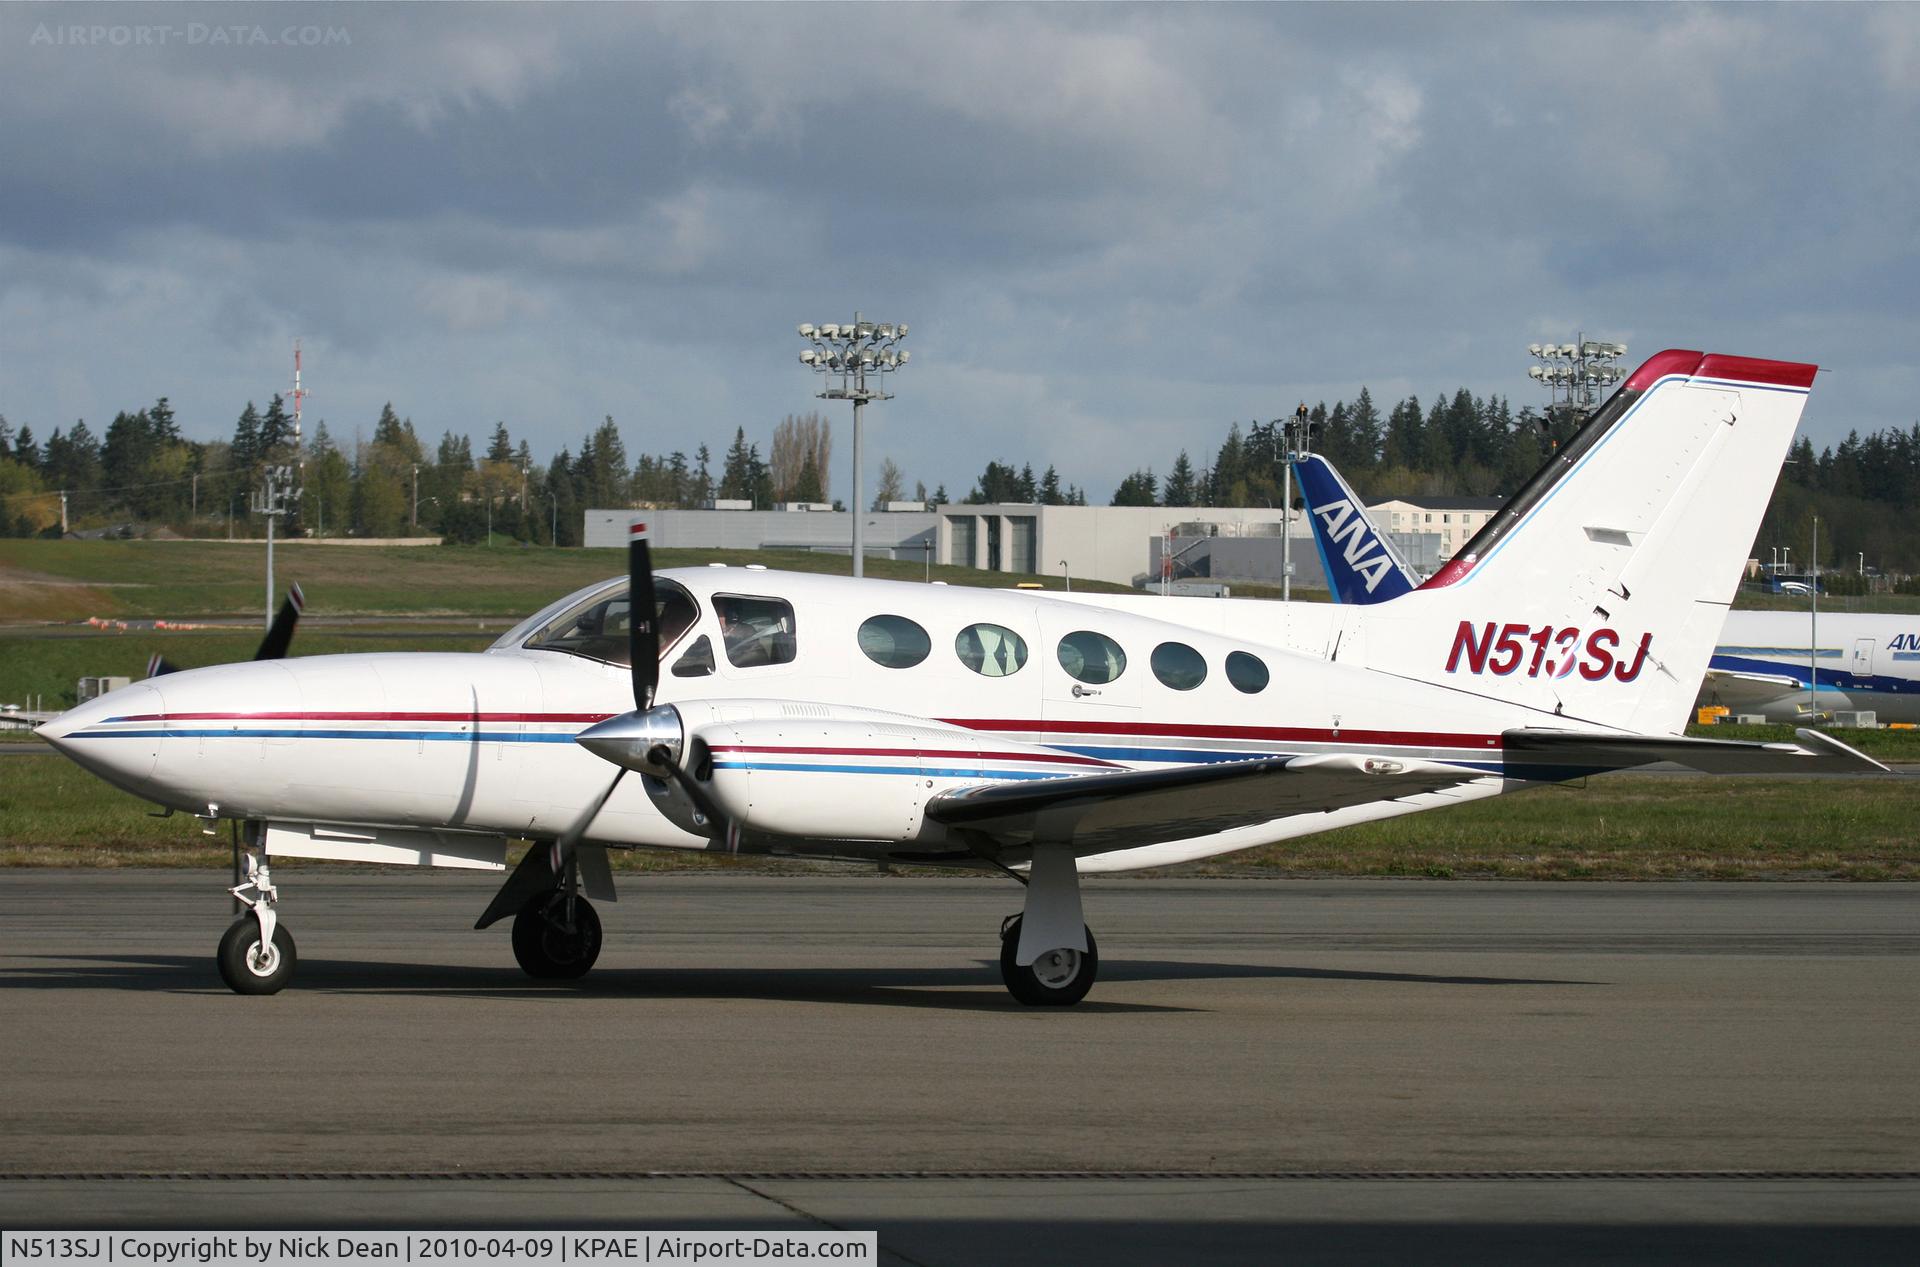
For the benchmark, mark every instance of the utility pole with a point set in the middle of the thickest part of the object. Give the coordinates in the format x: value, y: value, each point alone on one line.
x: 1298, y: 442
x: 1813, y: 629
x: 195, y: 512
x: 63, y: 512
x: 414, y: 519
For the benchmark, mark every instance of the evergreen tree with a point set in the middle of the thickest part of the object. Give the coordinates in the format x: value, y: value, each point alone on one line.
x: 1028, y: 492
x: 1180, y: 482
x: 700, y: 491
x: 1050, y: 494
x: 276, y: 432
x: 939, y: 494
x: 736, y: 473
x: 501, y: 449
x: 165, y: 429
x: 1138, y: 489
x: 1229, y: 484
x: 244, y: 449
x: 25, y: 451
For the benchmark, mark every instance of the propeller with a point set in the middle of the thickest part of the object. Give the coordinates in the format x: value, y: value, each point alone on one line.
x: 648, y: 739
x: 272, y: 647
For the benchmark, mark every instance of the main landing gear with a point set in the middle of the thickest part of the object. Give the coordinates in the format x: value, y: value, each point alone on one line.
x: 1048, y: 957
x: 556, y: 936
x: 256, y: 955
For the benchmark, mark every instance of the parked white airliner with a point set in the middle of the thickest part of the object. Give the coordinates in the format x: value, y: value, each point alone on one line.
x: 1040, y: 735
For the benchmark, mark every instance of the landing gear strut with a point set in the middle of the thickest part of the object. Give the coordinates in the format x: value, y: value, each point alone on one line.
x: 1048, y: 957
x: 556, y: 936
x: 256, y: 955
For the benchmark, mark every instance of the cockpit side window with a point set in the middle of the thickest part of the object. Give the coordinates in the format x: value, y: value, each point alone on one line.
x: 597, y: 629
x: 757, y: 631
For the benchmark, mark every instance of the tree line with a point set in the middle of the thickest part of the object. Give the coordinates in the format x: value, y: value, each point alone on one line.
x: 143, y: 469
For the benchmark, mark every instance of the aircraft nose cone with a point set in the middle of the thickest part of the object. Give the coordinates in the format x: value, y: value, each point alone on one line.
x: 116, y: 736
x: 627, y: 740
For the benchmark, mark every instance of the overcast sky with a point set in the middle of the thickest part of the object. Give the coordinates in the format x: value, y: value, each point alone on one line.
x: 1112, y: 229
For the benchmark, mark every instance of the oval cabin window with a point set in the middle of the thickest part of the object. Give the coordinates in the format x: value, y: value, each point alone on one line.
x: 990, y: 650
x: 1092, y: 657
x: 1248, y: 673
x: 893, y: 642
x: 1178, y: 666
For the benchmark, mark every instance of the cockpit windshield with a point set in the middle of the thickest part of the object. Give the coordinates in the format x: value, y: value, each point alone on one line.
x: 597, y: 627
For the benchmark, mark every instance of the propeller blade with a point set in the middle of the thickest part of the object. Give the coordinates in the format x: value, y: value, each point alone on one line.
x: 643, y: 632
x: 723, y: 827
x: 280, y: 633
x: 159, y: 666
x: 569, y: 840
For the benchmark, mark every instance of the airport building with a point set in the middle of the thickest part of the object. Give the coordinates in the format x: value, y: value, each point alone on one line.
x: 1453, y: 520
x: 898, y: 534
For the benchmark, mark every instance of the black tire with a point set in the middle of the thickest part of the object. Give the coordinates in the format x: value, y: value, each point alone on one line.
x: 242, y: 965
x: 546, y: 948
x: 1047, y: 982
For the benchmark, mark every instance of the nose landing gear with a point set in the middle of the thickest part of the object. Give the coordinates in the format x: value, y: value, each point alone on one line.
x: 256, y: 954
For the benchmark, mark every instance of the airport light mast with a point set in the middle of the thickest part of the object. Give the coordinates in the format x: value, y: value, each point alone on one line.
x: 846, y: 353
x: 1576, y: 374
x: 1298, y: 431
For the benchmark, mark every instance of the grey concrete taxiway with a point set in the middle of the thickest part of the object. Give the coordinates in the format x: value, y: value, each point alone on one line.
x: 1303, y: 1069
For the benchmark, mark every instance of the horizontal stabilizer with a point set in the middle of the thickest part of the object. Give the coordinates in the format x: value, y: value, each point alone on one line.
x: 1096, y: 813
x: 1559, y: 754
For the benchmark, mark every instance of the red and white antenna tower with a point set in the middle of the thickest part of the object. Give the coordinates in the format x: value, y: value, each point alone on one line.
x: 299, y: 394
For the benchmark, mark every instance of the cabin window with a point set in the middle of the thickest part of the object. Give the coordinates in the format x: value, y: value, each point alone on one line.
x: 698, y: 660
x: 757, y: 631
x: 1178, y: 666
x: 1248, y: 673
x: 1091, y: 657
x: 597, y: 629
x: 990, y: 650
x: 893, y: 642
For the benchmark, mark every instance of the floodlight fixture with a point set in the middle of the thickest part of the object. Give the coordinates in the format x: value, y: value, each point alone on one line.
x: 849, y: 351
x: 1573, y: 372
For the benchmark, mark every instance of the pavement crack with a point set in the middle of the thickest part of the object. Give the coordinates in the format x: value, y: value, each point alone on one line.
x: 813, y: 1218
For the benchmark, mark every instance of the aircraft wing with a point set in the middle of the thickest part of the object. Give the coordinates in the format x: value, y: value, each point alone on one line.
x: 1567, y: 754
x: 1097, y: 813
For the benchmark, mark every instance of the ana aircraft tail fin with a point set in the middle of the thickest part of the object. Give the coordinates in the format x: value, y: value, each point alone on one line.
x: 1598, y: 591
x: 1362, y: 564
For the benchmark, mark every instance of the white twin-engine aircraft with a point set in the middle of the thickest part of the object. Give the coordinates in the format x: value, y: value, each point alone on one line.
x: 1036, y: 735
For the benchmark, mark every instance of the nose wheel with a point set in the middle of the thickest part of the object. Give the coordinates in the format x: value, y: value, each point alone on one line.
x: 556, y: 936
x: 256, y: 954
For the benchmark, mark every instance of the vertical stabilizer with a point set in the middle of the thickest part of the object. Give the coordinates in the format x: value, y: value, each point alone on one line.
x: 1362, y: 564
x: 1597, y: 593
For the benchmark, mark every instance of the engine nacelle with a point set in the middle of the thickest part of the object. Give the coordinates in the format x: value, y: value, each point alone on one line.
x: 855, y: 778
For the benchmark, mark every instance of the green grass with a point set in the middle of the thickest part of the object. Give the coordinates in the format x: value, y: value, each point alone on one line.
x: 1622, y: 827
x: 1881, y: 745
x: 51, y: 662
x: 67, y: 581
x: 1895, y: 604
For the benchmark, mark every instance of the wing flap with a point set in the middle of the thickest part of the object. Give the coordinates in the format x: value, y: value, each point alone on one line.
x: 1097, y: 813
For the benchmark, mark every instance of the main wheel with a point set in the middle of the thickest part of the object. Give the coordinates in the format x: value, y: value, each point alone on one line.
x: 1058, y: 978
x: 548, y: 946
x: 249, y: 968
